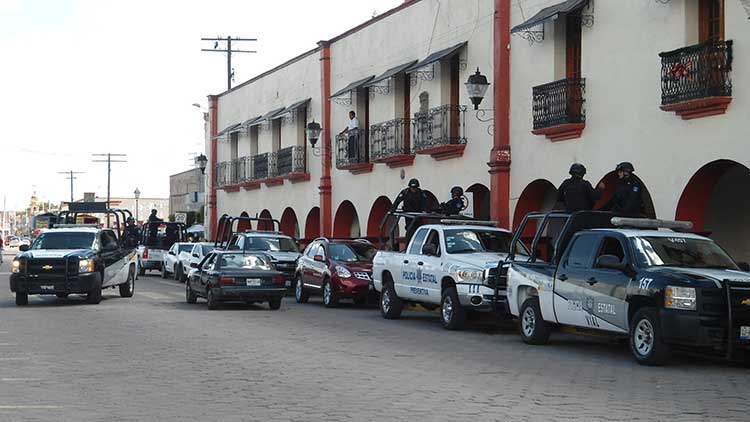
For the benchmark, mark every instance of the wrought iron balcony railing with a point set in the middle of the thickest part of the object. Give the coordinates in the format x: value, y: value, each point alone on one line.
x: 389, y: 139
x: 559, y: 103
x: 696, y: 72
x: 290, y: 160
x: 227, y: 173
x: 244, y: 169
x: 438, y: 127
x: 262, y: 166
x: 351, y: 148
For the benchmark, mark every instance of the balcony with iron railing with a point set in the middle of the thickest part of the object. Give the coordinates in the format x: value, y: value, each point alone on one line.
x: 270, y: 168
x: 352, y: 152
x: 696, y: 81
x: 291, y: 163
x: 558, y: 109
x: 227, y: 175
x: 389, y: 143
x: 440, y: 132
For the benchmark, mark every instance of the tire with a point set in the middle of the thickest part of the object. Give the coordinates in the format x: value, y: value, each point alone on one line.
x: 178, y: 273
x: 22, y: 299
x: 452, y: 314
x: 128, y: 288
x: 183, y: 274
x: 300, y: 295
x: 330, y: 298
x: 390, y: 304
x: 274, y: 303
x: 646, y: 343
x: 190, y: 296
x: 534, y: 329
x: 164, y: 273
x: 212, y: 303
x: 95, y: 295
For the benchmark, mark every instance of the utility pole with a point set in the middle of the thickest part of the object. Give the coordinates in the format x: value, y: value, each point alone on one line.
x: 109, y: 162
x: 71, y: 175
x: 229, y: 51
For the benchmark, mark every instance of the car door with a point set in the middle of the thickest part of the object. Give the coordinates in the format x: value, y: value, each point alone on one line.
x: 110, y: 255
x: 196, y: 255
x: 575, y: 267
x: 318, y: 267
x: 429, y: 268
x: 206, y: 271
x: 408, y: 277
x: 305, y: 262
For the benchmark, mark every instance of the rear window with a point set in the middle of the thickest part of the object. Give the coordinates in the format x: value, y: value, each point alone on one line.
x: 238, y: 261
x: 272, y: 244
x: 186, y: 248
x: 207, y: 249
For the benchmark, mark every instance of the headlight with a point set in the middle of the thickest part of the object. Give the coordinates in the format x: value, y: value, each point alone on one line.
x: 680, y: 298
x: 343, y: 272
x: 86, y: 266
x: 470, y: 275
x: 15, y: 266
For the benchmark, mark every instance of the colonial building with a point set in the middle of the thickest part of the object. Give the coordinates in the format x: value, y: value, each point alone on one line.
x: 655, y: 82
x: 186, y: 191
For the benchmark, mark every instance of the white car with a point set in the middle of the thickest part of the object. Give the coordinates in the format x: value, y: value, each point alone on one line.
x: 199, y: 251
x: 172, y: 260
x: 14, y: 242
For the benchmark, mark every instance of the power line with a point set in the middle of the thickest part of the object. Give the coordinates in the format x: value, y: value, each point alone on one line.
x: 229, y: 51
x: 109, y: 162
x: 71, y: 175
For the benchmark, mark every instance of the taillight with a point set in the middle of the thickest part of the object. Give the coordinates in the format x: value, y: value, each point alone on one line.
x: 145, y: 254
x: 279, y: 279
x: 226, y: 280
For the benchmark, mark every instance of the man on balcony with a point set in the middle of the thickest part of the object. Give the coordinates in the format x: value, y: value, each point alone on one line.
x: 353, y: 131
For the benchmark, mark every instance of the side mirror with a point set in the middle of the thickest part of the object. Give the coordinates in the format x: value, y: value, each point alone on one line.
x: 23, y: 248
x: 193, y: 265
x: 429, y: 249
x: 610, y: 262
x: 195, y: 255
x: 744, y: 266
x: 318, y: 258
x: 171, y: 252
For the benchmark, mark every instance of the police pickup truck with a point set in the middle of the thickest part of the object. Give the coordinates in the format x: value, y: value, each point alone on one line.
x: 156, y: 238
x: 449, y: 263
x: 73, y: 259
x: 638, y: 278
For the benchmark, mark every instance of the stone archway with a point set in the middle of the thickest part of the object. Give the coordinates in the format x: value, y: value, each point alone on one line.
x: 289, y: 224
x: 266, y: 225
x: 312, y: 224
x: 346, y: 221
x: 481, y: 201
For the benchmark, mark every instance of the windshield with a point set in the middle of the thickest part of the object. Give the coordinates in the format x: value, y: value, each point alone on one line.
x: 352, y: 252
x: 273, y: 244
x: 251, y: 262
x: 681, y: 252
x: 207, y: 249
x: 186, y: 248
x: 64, y: 240
x: 472, y: 240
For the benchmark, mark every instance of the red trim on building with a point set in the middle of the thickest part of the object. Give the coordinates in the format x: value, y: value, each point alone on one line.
x: 500, y: 157
x: 345, y: 217
x: 325, y: 188
x: 289, y: 222
x: 312, y: 224
x: 396, y: 161
x: 702, y: 107
x: 378, y: 211
x: 357, y: 168
x: 266, y: 225
x: 213, y: 110
x: 444, y: 152
x: 697, y: 193
x: 562, y: 132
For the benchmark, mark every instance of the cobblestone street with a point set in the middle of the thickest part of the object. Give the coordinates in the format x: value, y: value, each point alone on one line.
x: 154, y: 357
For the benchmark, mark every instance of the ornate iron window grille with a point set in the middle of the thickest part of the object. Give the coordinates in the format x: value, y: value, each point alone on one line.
x: 291, y: 160
x: 351, y: 148
x: 696, y: 72
x: 558, y: 103
x: 439, y: 126
x: 388, y: 139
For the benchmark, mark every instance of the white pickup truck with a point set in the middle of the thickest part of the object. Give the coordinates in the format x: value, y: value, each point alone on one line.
x: 451, y: 266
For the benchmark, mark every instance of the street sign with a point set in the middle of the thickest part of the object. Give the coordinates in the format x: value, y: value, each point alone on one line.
x: 180, y: 217
x: 468, y: 210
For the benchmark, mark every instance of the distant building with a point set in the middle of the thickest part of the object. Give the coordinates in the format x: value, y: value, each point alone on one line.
x: 186, y: 191
x: 145, y: 205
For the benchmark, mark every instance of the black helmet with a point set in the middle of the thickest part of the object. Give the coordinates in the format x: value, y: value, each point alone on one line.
x: 130, y: 220
x: 625, y: 166
x: 457, y: 190
x: 577, y: 169
x: 413, y: 183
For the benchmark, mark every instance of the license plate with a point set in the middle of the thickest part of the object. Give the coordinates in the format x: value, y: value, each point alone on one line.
x: 745, y: 333
x: 53, y: 288
x: 254, y: 282
x: 288, y: 283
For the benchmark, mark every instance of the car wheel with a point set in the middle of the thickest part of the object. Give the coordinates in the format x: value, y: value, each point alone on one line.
x: 190, y: 296
x: 274, y: 303
x: 300, y: 295
x: 95, y: 295
x: 452, y: 314
x: 646, y: 339
x: 330, y: 298
x: 177, y: 273
x: 128, y: 288
x: 390, y: 304
x: 183, y: 274
x: 534, y: 329
x: 211, y: 299
x: 164, y: 273
x: 22, y: 299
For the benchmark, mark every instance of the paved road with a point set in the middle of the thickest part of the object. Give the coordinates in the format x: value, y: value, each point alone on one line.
x: 154, y: 357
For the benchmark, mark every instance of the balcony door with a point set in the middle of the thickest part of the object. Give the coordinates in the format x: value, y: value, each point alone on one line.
x: 573, y: 65
x: 711, y: 17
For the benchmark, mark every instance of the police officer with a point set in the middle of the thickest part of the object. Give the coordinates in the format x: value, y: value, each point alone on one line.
x: 456, y: 203
x: 131, y: 233
x: 628, y: 198
x: 414, y: 199
x: 153, y: 226
x: 577, y: 193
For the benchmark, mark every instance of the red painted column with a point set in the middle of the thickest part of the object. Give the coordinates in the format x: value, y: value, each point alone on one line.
x: 500, y: 154
x: 213, y: 110
x: 326, y: 206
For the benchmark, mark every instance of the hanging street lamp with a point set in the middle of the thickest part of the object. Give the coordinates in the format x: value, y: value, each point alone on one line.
x: 477, y: 86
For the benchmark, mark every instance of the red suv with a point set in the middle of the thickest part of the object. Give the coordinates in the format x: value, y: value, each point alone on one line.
x: 335, y: 269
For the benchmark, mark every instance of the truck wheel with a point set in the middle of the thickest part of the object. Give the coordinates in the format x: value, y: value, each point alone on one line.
x: 390, y: 304
x: 22, y: 299
x: 646, y: 342
x: 190, y: 296
x: 452, y: 315
x: 95, y: 295
x: 300, y: 295
x: 534, y: 329
x: 274, y: 303
x: 211, y: 299
x: 128, y: 288
x: 330, y: 298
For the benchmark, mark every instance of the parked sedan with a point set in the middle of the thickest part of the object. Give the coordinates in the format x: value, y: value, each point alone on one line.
x: 199, y: 251
x: 172, y: 260
x: 225, y: 276
x: 335, y: 269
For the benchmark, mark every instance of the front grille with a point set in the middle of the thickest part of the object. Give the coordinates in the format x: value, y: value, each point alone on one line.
x: 501, y: 277
x: 51, y: 268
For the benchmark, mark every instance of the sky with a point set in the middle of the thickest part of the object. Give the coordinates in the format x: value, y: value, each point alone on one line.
x: 81, y: 77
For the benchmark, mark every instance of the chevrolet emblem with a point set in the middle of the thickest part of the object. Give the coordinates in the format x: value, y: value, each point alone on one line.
x: 745, y: 302
x: 47, y: 267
